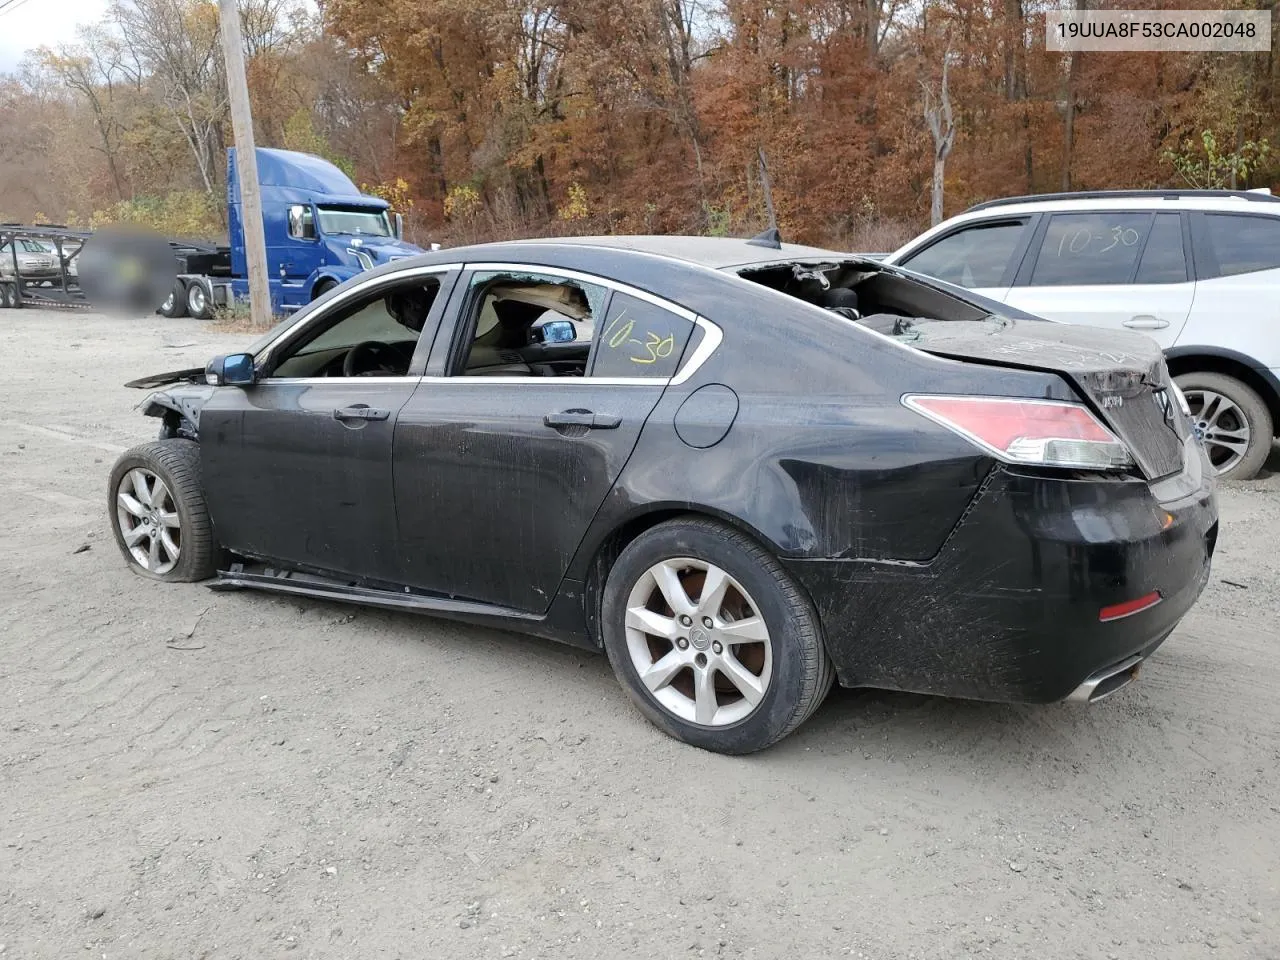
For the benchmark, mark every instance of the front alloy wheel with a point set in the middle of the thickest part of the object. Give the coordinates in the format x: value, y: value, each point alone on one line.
x: 158, y: 512
x: 148, y: 521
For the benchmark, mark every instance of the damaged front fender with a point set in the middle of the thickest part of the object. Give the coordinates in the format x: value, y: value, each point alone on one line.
x: 179, y: 408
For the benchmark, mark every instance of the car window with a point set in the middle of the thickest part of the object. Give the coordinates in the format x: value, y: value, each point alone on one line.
x: 976, y: 256
x: 1244, y: 244
x: 528, y: 324
x: 1090, y: 248
x: 1163, y: 260
x: 384, y: 324
x: 639, y: 339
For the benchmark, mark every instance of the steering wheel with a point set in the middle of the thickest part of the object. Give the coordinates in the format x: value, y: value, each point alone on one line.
x: 368, y: 356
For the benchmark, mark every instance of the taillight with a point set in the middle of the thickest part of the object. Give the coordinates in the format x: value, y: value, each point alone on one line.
x: 1046, y: 433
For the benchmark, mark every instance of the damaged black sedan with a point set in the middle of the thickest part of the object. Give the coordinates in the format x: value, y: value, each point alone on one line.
x: 742, y: 470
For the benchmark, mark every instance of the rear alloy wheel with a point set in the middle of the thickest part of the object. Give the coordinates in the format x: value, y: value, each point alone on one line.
x: 712, y: 639
x: 198, y: 305
x: 158, y: 512
x: 1232, y: 422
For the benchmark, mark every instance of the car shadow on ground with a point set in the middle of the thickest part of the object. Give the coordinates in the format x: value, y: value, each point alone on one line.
x: 852, y: 726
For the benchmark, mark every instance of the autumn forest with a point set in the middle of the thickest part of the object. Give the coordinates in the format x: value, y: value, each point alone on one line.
x: 482, y: 119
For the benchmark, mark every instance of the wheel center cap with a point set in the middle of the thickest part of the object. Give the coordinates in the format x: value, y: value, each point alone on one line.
x: 698, y: 637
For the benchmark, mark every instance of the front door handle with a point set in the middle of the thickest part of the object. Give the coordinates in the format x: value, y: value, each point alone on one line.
x: 583, y: 418
x: 361, y: 411
x: 1146, y: 322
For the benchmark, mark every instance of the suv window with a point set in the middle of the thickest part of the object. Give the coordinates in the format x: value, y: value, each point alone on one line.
x: 640, y: 339
x: 385, y: 324
x: 975, y: 256
x: 1090, y: 248
x: 1244, y: 244
x: 1163, y: 260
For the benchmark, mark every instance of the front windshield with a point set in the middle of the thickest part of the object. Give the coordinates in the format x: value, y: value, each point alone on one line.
x: 356, y: 221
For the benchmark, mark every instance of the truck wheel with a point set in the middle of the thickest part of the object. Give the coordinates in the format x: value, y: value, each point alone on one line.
x: 323, y: 287
x: 198, y: 305
x: 6, y: 295
x: 14, y: 296
x: 1232, y: 422
x: 175, y: 305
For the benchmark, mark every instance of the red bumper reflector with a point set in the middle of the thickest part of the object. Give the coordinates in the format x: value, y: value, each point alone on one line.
x: 1118, y: 611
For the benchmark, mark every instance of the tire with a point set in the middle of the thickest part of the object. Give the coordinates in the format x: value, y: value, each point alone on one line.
x: 1237, y: 408
x: 321, y: 288
x: 197, y: 299
x: 176, y: 464
x: 789, y: 670
x: 6, y: 295
x: 15, y: 296
x: 176, y: 303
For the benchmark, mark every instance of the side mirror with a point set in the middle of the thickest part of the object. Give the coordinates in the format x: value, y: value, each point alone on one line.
x: 558, y: 331
x: 233, y: 370
x: 397, y: 224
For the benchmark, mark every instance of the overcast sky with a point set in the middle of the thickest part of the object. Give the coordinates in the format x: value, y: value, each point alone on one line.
x: 27, y: 24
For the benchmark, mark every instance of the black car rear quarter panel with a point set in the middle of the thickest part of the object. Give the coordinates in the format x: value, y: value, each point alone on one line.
x: 822, y: 460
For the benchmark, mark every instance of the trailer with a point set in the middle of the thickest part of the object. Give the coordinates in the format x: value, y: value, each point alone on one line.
x: 39, y: 267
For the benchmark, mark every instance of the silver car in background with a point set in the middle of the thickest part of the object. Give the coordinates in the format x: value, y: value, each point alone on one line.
x: 33, y: 260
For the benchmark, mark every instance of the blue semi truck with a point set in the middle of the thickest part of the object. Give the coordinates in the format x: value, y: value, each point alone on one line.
x: 320, y: 230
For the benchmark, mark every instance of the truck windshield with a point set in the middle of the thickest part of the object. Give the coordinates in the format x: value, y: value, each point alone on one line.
x: 370, y: 223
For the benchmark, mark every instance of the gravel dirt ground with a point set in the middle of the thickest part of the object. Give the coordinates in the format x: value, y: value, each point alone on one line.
x: 188, y: 774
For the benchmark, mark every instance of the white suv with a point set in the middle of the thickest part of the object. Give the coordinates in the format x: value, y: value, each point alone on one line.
x: 1197, y: 270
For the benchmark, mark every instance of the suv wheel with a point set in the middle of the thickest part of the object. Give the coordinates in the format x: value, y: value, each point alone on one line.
x: 1232, y: 422
x: 711, y: 638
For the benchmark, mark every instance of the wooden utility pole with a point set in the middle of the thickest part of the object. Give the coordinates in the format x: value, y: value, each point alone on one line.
x: 255, y: 244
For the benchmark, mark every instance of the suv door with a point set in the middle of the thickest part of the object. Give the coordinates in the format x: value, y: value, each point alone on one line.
x: 1118, y: 269
x: 1238, y: 302
x: 504, y: 454
x: 981, y: 256
x: 297, y: 466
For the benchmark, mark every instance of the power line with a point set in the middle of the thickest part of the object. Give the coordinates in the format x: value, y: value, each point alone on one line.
x: 8, y: 6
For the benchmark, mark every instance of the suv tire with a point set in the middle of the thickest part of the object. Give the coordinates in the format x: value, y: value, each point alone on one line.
x: 1221, y: 405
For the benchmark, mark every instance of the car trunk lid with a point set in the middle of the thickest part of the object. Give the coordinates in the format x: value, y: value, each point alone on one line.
x: 1122, y: 375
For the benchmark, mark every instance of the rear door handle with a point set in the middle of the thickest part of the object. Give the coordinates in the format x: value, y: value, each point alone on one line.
x: 1146, y: 322
x: 583, y: 418
x: 361, y: 411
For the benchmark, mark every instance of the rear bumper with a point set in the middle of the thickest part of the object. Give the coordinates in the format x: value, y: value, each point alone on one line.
x: 1010, y: 607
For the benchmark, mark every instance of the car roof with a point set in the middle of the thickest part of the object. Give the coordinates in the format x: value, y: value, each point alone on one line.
x: 1237, y: 202
x: 719, y: 253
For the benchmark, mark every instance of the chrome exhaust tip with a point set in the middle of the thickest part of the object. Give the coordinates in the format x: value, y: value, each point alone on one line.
x: 1107, y: 681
